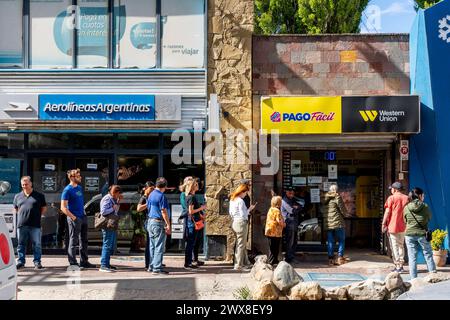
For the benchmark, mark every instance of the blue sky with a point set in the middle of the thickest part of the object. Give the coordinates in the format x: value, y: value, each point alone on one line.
x: 388, y: 16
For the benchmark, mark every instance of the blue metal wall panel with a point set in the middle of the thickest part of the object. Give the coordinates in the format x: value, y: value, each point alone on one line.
x: 430, y: 150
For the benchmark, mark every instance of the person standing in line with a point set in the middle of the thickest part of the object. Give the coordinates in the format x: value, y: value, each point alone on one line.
x: 142, y: 207
x: 247, y: 199
x: 29, y: 205
x: 290, y: 209
x: 334, y: 212
x: 72, y: 205
x: 109, y: 205
x: 200, y: 233
x: 394, y: 224
x: 417, y: 215
x: 274, y: 229
x: 195, y: 213
x: 239, y: 213
x: 158, y: 226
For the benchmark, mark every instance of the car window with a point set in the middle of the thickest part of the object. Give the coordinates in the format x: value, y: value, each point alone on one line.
x: 93, y: 208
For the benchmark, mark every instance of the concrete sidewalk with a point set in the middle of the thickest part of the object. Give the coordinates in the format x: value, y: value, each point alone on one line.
x: 214, y: 280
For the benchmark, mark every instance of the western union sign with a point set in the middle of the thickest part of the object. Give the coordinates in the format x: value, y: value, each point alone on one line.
x: 335, y: 115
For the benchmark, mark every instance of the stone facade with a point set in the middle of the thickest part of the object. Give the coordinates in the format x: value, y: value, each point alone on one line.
x: 324, y: 65
x: 230, y: 28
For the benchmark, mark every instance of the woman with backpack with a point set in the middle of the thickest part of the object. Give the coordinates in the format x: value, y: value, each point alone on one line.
x: 417, y: 215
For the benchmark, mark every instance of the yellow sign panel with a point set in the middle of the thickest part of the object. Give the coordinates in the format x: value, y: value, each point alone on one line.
x: 349, y: 56
x: 302, y: 115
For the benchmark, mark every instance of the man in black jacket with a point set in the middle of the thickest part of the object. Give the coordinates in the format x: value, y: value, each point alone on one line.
x: 290, y: 209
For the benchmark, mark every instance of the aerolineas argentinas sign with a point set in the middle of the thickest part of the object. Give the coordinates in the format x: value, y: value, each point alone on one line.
x: 106, y: 107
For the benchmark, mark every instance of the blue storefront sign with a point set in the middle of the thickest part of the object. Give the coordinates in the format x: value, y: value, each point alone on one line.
x: 106, y: 107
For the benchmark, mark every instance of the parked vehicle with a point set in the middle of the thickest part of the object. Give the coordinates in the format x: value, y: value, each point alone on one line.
x: 8, y: 271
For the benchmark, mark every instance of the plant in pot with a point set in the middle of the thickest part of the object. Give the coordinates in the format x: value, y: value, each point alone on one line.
x: 437, y: 244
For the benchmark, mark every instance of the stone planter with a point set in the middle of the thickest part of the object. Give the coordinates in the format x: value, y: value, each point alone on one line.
x: 440, y: 258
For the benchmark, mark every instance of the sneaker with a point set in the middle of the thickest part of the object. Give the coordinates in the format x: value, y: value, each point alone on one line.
x: 190, y: 267
x: 105, y: 269
x: 88, y: 265
x: 38, y: 266
x: 330, y: 261
x: 113, y: 267
x: 198, y: 263
x: 341, y: 261
x: 20, y: 265
x: 162, y: 272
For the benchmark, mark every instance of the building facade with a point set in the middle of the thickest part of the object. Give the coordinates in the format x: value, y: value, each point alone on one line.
x: 100, y: 86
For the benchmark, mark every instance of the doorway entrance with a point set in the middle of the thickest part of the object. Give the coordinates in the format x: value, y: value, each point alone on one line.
x: 360, y: 176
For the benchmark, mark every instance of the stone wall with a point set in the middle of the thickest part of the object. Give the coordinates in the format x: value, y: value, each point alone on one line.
x: 322, y: 65
x: 230, y: 28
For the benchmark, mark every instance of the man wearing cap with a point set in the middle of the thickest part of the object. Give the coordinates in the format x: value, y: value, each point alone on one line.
x: 290, y: 209
x: 395, y: 226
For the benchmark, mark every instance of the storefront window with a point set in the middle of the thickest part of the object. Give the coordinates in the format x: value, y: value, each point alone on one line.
x: 92, y: 34
x: 175, y: 173
x: 49, y: 141
x: 11, y: 33
x: 135, y: 34
x: 182, y: 33
x: 135, y: 170
x: 93, y: 141
x: 51, y: 32
x: 11, y: 141
x: 138, y: 141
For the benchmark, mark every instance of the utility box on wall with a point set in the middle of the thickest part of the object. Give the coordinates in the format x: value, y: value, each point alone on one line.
x: 216, y: 247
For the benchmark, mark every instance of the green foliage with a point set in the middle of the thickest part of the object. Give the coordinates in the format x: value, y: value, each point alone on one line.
x: 308, y: 16
x: 277, y: 17
x: 437, y: 241
x: 242, y: 293
x: 330, y: 16
x: 424, y: 4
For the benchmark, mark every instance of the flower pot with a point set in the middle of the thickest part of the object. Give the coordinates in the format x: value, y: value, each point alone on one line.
x: 440, y: 258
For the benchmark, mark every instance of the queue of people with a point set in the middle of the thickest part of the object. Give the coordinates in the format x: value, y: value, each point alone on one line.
x: 405, y: 220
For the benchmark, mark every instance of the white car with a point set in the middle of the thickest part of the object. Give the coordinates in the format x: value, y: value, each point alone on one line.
x: 8, y: 271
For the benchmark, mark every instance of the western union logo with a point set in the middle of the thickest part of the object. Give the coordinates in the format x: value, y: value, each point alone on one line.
x: 368, y: 115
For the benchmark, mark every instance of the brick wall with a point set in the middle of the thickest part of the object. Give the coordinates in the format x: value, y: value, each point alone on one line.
x: 331, y: 65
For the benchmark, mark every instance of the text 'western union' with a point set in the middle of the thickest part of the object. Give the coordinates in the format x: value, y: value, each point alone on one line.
x: 385, y: 116
x: 100, y: 107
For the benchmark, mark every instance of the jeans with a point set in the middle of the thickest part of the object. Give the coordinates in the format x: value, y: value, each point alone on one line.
x: 24, y: 233
x: 398, y: 248
x: 274, y: 245
x: 157, y: 235
x: 109, y: 239
x: 198, y: 242
x: 291, y: 239
x: 332, y: 235
x: 240, y: 227
x: 78, y: 237
x: 147, y: 246
x: 414, y: 244
x: 190, y: 244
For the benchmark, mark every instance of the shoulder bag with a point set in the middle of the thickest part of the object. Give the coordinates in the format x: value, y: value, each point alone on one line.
x: 199, y: 225
x: 100, y: 221
x: 428, y: 233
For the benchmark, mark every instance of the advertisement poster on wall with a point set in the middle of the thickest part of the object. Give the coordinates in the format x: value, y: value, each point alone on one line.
x: 10, y: 33
x: 179, y: 19
x: 136, y: 42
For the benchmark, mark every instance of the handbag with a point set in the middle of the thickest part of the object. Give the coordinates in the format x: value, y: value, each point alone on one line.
x: 100, y: 221
x: 428, y: 233
x: 198, y: 225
